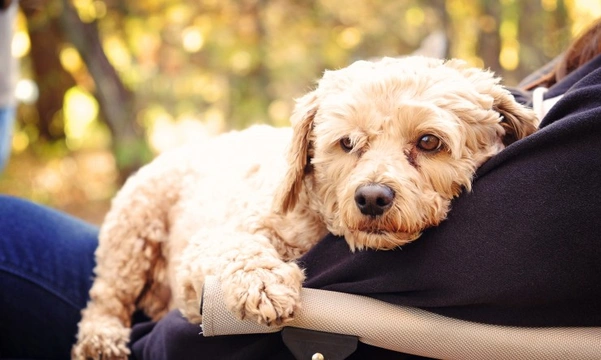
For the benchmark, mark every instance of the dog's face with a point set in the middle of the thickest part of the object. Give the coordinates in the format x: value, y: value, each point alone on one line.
x: 381, y: 148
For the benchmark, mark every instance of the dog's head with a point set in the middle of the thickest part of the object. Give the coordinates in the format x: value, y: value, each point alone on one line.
x: 382, y: 147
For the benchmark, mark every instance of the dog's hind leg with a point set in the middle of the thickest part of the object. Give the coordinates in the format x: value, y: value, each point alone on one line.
x: 129, y: 253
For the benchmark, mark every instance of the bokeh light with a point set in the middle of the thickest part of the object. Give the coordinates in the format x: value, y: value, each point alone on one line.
x: 80, y: 112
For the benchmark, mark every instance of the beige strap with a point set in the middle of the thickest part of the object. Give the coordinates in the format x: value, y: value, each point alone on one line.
x: 410, y: 330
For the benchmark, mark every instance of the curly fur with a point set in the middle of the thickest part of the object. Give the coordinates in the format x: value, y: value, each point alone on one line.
x: 237, y: 208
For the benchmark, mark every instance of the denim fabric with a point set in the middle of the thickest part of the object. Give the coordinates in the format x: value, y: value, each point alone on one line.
x: 46, y: 262
x: 7, y: 121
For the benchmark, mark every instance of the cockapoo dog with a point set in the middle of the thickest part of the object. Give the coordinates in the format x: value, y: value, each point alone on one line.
x: 375, y: 154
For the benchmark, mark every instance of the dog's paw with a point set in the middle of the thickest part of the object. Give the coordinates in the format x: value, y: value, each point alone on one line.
x: 101, y: 339
x: 269, y: 294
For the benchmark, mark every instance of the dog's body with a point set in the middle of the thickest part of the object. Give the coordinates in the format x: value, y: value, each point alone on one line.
x: 376, y: 154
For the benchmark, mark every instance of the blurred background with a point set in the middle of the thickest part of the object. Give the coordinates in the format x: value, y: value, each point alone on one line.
x: 105, y: 85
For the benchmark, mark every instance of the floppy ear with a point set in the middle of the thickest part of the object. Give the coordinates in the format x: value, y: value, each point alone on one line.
x: 298, y: 154
x: 518, y: 120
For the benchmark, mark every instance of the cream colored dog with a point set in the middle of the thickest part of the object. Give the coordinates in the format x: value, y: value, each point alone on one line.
x: 376, y: 153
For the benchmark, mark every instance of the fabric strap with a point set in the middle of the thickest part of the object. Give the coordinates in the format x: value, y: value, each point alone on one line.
x: 409, y: 330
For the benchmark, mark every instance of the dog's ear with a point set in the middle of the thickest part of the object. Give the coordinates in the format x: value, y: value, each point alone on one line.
x: 518, y: 120
x: 298, y: 154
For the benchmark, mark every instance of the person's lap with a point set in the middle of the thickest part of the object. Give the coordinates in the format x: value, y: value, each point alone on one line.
x: 46, y: 262
x: 173, y: 337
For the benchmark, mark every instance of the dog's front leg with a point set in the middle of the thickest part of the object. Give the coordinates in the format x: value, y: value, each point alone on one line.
x: 257, y: 283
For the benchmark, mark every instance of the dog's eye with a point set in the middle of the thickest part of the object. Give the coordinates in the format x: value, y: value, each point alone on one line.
x: 346, y: 144
x: 429, y: 143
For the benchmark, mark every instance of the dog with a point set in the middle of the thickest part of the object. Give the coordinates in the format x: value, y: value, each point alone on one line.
x: 376, y: 153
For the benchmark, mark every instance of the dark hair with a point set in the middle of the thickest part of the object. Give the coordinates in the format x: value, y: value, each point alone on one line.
x: 5, y: 4
x: 582, y: 49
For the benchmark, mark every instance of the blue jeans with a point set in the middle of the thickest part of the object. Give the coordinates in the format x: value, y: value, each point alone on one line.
x: 46, y: 263
x: 7, y: 121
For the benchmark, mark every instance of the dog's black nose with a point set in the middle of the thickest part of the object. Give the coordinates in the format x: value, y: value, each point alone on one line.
x: 373, y: 199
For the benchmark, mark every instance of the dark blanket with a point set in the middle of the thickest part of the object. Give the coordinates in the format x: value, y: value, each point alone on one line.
x: 522, y: 248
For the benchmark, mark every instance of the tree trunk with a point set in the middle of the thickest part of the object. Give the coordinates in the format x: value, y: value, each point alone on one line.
x: 489, y: 40
x: 530, y: 33
x: 53, y: 81
x: 115, y: 100
x: 254, y: 84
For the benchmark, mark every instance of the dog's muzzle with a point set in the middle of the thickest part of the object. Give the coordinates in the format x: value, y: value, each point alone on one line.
x: 373, y: 199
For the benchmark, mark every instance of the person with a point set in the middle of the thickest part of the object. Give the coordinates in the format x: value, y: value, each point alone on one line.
x: 8, y: 73
x: 521, y: 249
